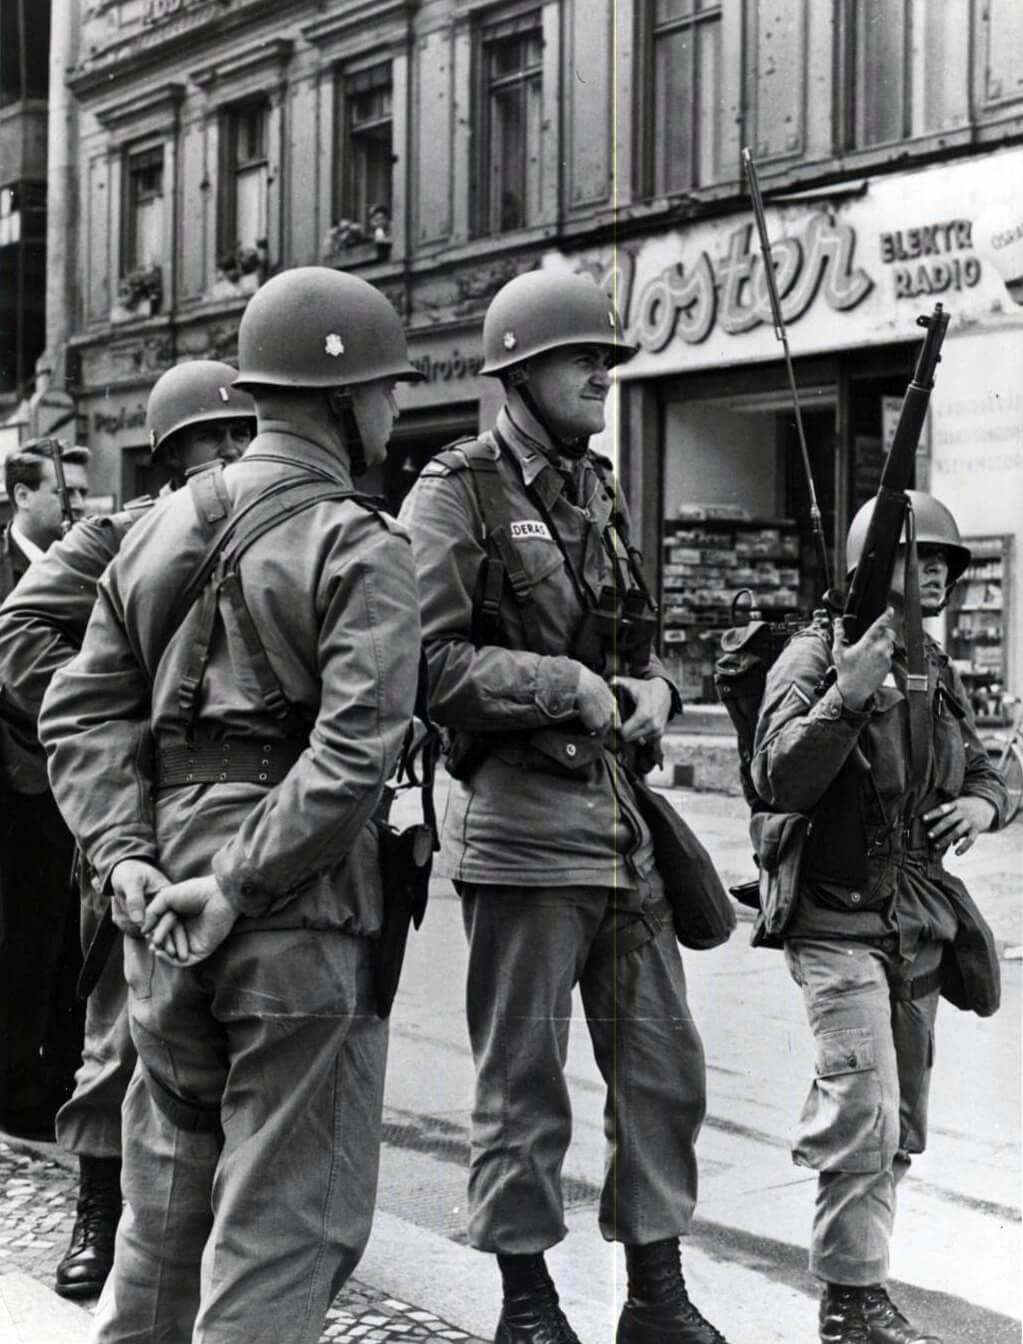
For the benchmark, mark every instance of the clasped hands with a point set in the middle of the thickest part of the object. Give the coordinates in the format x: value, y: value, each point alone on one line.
x: 597, y: 706
x: 183, y: 922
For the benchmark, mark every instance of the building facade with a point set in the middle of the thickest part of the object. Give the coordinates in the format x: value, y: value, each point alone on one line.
x: 439, y: 147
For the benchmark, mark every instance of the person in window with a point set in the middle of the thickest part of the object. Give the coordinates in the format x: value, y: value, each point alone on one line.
x: 250, y: 893
x: 194, y: 417
x: 40, y: 1019
x: 380, y: 223
x: 553, y: 863
x: 876, y: 929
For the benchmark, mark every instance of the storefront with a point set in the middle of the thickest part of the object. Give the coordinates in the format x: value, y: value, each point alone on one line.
x: 706, y: 434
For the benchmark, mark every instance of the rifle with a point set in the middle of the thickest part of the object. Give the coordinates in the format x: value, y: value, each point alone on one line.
x: 778, y: 322
x: 67, y: 513
x: 872, y: 579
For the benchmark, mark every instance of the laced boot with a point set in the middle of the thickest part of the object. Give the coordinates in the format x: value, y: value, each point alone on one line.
x: 658, y: 1309
x: 530, y: 1314
x: 886, y: 1324
x: 88, y: 1259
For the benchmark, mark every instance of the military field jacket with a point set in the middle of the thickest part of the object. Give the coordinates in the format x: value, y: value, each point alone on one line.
x: 803, y: 738
x: 332, y: 595
x: 514, y: 821
x: 43, y: 622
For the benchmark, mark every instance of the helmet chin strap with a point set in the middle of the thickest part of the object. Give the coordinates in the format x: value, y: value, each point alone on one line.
x: 339, y: 399
x: 519, y: 379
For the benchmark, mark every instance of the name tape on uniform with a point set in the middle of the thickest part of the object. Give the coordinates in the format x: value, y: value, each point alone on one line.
x: 531, y: 527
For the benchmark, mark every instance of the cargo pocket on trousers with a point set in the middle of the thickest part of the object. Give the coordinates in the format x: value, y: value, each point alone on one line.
x: 842, y: 1125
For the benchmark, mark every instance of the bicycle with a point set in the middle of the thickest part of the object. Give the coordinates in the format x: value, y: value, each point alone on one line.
x: 1005, y: 751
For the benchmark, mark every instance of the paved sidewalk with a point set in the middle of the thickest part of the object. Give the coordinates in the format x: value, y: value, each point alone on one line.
x: 37, y: 1204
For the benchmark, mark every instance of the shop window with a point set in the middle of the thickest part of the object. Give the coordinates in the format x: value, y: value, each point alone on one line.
x: 364, y: 205
x: 144, y: 203
x: 511, y: 118
x: 245, y: 180
x: 679, y: 92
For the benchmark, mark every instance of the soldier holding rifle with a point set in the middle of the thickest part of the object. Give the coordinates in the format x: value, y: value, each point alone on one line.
x: 869, y: 767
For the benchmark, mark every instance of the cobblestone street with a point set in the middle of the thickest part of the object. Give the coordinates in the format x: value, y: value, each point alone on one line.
x: 37, y: 1207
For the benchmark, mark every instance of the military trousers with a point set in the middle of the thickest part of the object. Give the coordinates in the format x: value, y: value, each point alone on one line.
x: 866, y: 1111
x: 243, y: 1232
x: 89, y: 1124
x: 528, y: 949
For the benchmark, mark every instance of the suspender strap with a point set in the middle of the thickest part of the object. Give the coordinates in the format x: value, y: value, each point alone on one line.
x: 268, y: 510
x: 916, y: 668
x: 497, y: 535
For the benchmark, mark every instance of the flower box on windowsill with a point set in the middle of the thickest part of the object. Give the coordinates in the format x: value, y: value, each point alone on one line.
x: 132, y: 312
x: 358, y: 254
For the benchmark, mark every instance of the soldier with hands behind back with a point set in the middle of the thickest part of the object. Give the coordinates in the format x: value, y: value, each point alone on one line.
x: 874, y: 928
x: 220, y: 746
x: 194, y: 417
x: 535, y: 617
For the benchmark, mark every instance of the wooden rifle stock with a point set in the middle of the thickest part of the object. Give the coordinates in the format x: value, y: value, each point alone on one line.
x: 872, y: 579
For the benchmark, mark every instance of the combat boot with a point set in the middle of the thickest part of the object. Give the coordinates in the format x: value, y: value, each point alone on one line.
x: 841, y: 1315
x: 531, y: 1313
x: 886, y: 1324
x: 658, y: 1309
x: 85, y: 1266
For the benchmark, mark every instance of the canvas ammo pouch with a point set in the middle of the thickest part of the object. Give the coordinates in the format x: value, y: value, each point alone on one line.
x: 778, y: 839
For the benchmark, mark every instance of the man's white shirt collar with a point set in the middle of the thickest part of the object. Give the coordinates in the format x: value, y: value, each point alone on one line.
x: 28, y: 548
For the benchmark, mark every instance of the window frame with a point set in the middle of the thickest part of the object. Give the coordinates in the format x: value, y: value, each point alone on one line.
x: 648, y: 138
x: 507, y: 24
x: 373, y: 72
x: 129, y: 259
x: 231, y: 167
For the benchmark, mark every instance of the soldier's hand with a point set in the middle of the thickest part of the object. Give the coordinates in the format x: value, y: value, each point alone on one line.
x: 962, y: 820
x: 133, y: 882
x: 651, y: 705
x: 863, y: 666
x: 595, y: 702
x: 198, y: 908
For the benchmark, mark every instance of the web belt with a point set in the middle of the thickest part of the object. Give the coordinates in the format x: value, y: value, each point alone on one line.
x: 235, y: 760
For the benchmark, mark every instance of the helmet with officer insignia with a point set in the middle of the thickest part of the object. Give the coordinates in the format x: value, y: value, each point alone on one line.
x: 193, y: 393
x: 935, y: 526
x: 544, y: 310
x: 312, y: 326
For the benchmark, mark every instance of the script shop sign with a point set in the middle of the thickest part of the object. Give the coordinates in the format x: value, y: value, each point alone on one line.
x: 854, y: 268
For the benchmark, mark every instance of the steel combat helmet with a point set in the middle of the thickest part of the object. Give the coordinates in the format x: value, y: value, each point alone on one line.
x: 192, y: 393
x: 312, y: 327
x: 935, y: 526
x: 543, y: 310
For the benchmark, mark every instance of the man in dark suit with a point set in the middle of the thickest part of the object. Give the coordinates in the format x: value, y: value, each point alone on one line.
x: 40, y: 1021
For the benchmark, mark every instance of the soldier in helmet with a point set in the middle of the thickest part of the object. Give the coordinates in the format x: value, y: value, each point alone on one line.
x: 536, y: 616
x: 878, y: 929
x: 194, y: 417
x: 255, y: 717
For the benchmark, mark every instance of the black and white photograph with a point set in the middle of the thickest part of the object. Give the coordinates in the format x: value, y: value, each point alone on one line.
x: 511, y: 671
